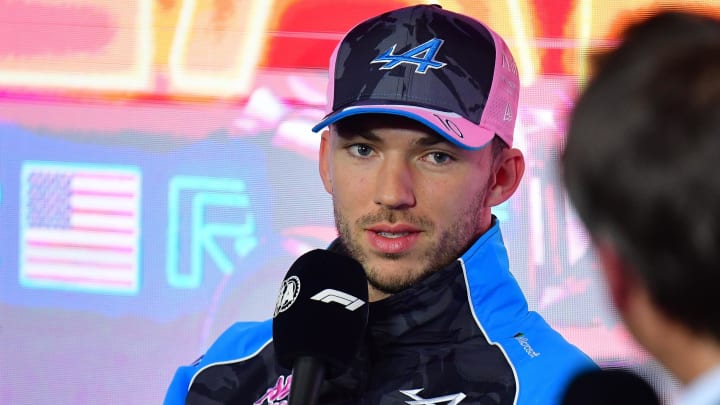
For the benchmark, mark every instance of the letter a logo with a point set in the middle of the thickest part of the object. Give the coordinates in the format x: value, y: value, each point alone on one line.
x: 452, y: 399
x: 422, y: 56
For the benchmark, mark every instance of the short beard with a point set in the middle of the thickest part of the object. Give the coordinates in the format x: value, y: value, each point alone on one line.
x: 449, y: 245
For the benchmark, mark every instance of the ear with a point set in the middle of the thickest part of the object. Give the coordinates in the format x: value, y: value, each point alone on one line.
x: 508, y: 170
x: 619, y: 279
x: 324, y: 161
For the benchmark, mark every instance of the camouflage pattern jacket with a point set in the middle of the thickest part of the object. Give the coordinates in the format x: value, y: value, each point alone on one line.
x: 462, y: 336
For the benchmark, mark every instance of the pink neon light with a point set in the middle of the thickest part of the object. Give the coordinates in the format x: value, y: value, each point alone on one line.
x: 105, y: 176
x: 109, y: 266
x: 81, y: 245
x: 94, y: 193
x: 323, y: 233
x: 105, y: 230
x: 117, y: 213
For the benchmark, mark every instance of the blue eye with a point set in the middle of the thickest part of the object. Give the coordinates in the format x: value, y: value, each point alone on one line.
x: 360, y: 149
x: 439, y: 157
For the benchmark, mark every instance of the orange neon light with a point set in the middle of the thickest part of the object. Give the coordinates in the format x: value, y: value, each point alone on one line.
x: 513, y: 20
x: 598, y: 24
x: 217, y: 53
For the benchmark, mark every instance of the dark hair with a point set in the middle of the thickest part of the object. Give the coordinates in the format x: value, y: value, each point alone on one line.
x: 498, y: 145
x: 642, y: 161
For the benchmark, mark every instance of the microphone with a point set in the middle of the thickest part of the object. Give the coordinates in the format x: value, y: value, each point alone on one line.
x: 610, y: 386
x: 319, y: 320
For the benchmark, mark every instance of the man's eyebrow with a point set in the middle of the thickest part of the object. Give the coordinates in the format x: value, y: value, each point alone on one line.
x: 363, y: 133
x: 431, y: 140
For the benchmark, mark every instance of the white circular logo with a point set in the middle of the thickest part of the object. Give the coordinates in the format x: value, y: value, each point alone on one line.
x: 289, y: 291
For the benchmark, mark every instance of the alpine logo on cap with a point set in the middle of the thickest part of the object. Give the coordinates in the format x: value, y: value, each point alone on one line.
x: 422, y: 56
x: 508, y: 113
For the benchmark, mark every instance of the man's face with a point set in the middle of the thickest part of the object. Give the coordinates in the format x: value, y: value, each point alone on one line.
x: 406, y: 201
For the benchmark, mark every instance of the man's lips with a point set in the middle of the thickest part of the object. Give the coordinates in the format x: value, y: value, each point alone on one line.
x: 392, y: 238
x: 395, y: 228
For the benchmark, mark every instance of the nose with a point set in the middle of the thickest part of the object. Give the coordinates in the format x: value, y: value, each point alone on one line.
x: 394, y: 185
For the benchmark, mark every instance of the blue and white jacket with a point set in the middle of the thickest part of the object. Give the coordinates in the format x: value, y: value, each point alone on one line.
x: 462, y: 336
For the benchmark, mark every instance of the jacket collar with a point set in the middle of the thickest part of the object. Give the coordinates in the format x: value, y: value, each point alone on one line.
x: 428, y: 309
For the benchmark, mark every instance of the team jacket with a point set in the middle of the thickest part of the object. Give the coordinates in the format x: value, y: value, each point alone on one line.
x: 462, y: 336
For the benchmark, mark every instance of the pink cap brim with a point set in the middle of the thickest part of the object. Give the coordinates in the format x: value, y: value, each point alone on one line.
x: 458, y: 130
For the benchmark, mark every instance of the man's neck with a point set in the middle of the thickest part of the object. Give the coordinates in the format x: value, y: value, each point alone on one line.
x: 688, y: 356
x: 684, y: 352
x: 376, y: 295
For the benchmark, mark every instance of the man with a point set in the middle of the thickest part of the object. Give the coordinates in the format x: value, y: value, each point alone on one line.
x: 641, y: 166
x: 422, y: 105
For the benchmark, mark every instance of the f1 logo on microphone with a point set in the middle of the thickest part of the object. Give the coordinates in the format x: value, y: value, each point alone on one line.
x: 348, y: 301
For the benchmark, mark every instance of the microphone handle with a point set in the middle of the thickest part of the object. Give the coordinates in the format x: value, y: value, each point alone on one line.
x: 307, y: 377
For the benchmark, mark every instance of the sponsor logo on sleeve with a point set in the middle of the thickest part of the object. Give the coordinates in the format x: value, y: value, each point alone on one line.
x: 525, y: 343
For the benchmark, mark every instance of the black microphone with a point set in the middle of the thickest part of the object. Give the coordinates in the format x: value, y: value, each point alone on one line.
x: 319, y: 321
x: 612, y: 386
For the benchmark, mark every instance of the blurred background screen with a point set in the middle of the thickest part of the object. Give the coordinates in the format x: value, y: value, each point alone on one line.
x: 158, y: 176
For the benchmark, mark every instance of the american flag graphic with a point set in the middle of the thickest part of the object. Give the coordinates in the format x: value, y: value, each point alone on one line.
x: 80, y: 227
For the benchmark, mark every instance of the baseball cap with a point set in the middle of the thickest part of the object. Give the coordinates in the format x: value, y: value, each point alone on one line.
x: 446, y: 70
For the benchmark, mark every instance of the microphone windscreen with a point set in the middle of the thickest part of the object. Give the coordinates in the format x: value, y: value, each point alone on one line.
x: 610, y: 386
x: 321, y: 311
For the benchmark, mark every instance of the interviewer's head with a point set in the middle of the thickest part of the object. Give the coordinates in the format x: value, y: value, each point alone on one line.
x: 642, y: 167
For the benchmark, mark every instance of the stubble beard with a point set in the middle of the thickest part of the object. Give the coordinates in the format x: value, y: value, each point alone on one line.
x: 445, y: 248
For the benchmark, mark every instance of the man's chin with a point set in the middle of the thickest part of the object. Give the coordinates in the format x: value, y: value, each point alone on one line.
x: 392, y: 284
x: 388, y: 288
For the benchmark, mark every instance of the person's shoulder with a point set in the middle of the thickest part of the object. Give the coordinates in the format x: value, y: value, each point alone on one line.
x: 242, y: 339
x: 544, y: 361
x: 537, y: 329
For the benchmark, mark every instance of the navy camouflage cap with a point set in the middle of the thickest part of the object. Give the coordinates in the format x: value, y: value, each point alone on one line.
x: 443, y: 69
